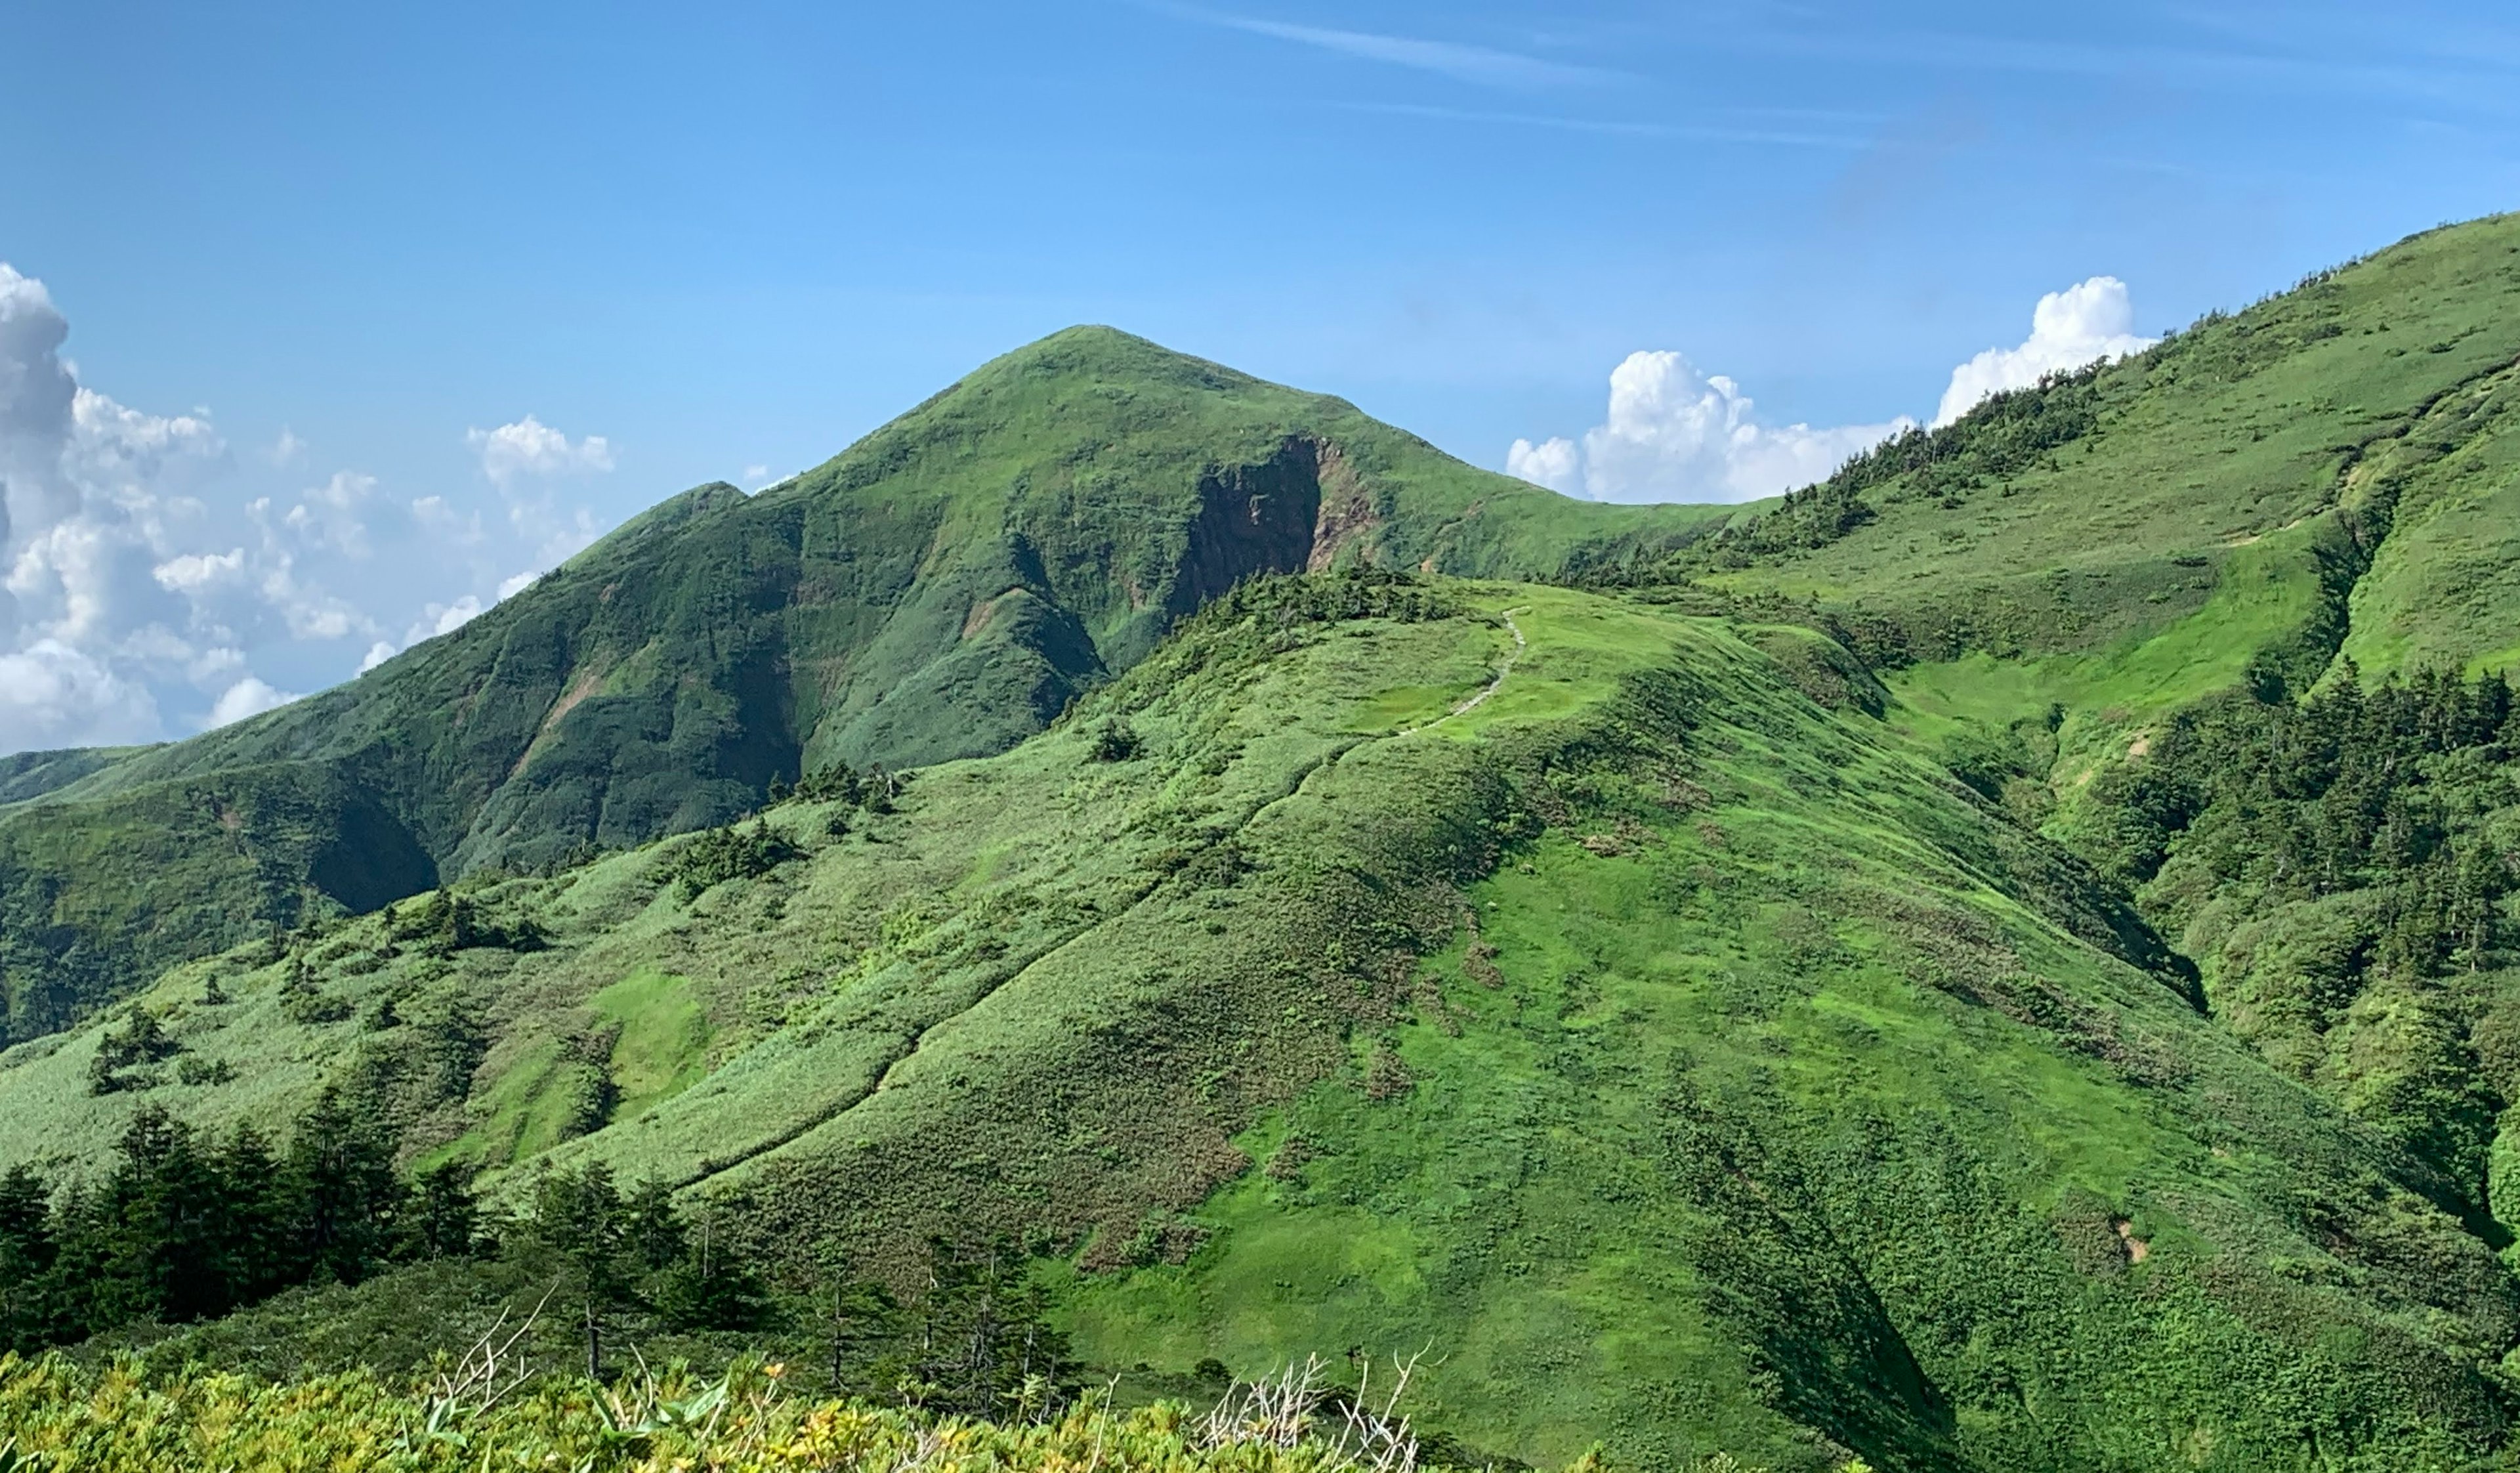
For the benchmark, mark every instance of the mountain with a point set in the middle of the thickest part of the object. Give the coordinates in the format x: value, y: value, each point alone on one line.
x: 941, y: 589
x: 2002, y: 960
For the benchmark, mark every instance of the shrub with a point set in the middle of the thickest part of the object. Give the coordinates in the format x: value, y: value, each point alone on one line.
x: 716, y: 856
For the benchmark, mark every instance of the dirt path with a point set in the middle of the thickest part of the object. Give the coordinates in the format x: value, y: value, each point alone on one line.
x: 1480, y: 696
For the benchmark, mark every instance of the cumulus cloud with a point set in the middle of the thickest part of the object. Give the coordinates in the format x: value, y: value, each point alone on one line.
x: 249, y: 697
x: 445, y: 618
x: 2085, y: 323
x: 531, y: 449
x: 201, y: 571
x: 144, y: 564
x: 1673, y: 433
x: 51, y: 695
x: 378, y: 654
x: 1552, y: 463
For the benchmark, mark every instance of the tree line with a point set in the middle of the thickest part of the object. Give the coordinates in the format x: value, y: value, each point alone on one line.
x: 2346, y: 790
x: 184, y: 1226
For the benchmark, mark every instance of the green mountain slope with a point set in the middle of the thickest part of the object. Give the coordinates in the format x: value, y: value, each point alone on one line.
x: 2200, y: 629
x: 2227, y: 472
x: 942, y: 589
x: 2010, y: 959
x: 1690, y: 1063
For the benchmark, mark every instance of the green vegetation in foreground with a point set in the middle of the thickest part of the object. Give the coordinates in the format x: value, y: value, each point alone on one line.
x: 55, y: 1418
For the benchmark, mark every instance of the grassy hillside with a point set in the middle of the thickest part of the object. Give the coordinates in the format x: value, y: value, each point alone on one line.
x: 2235, y: 455
x: 2005, y: 960
x: 2290, y: 758
x: 1695, y: 1065
x: 942, y: 589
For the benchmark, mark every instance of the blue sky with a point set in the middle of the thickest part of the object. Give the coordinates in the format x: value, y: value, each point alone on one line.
x: 727, y: 240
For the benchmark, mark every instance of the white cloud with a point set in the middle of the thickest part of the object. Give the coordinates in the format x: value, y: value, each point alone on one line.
x: 518, y: 584
x: 249, y: 697
x: 444, y: 618
x: 530, y: 448
x: 1673, y: 433
x: 144, y: 565
x: 51, y: 695
x: 1551, y: 463
x: 378, y: 654
x: 2085, y: 323
x: 199, y: 571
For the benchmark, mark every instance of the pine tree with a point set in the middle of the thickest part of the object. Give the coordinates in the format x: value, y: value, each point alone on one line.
x: 342, y: 1194
x: 580, y: 1217
x: 443, y: 1221
x: 26, y: 1260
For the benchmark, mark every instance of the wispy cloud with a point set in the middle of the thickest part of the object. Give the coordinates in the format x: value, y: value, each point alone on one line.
x: 2246, y: 59
x: 1481, y: 65
x: 1689, y: 132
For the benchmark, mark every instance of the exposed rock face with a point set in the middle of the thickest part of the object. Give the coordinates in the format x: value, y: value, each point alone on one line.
x: 1347, y: 517
x: 1252, y: 519
x: 1298, y: 511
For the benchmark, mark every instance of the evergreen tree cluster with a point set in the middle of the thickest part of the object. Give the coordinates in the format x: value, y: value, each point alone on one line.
x: 634, y: 1256
x: 974, y: 1341
x: 186, y: 1227
x: 713, y: 856
x: 445, y: 922
x: 978, y: 1342
x: 2348, y: 790
x: 2341, y: 867
x: 125, y: 1057
x: 2004, y: 435
x: 1356, y: 591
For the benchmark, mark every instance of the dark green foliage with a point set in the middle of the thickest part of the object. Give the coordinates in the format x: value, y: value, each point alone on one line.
x: 984, y: 1344
x: 203, y: 1073
x: 2337, y: 792
x: 122, y: 1059
x: 838, y: 783
x: 638, y: 1256
x: 1356, y: 591
x: 738, y: 851
x: 346, y: 1204
x: 446, y: 922
x: 1115, y: 741
x: 2324, y: 855
x: 303, y: 1000
x: 444, y: 1217
x: 183, y: 1228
